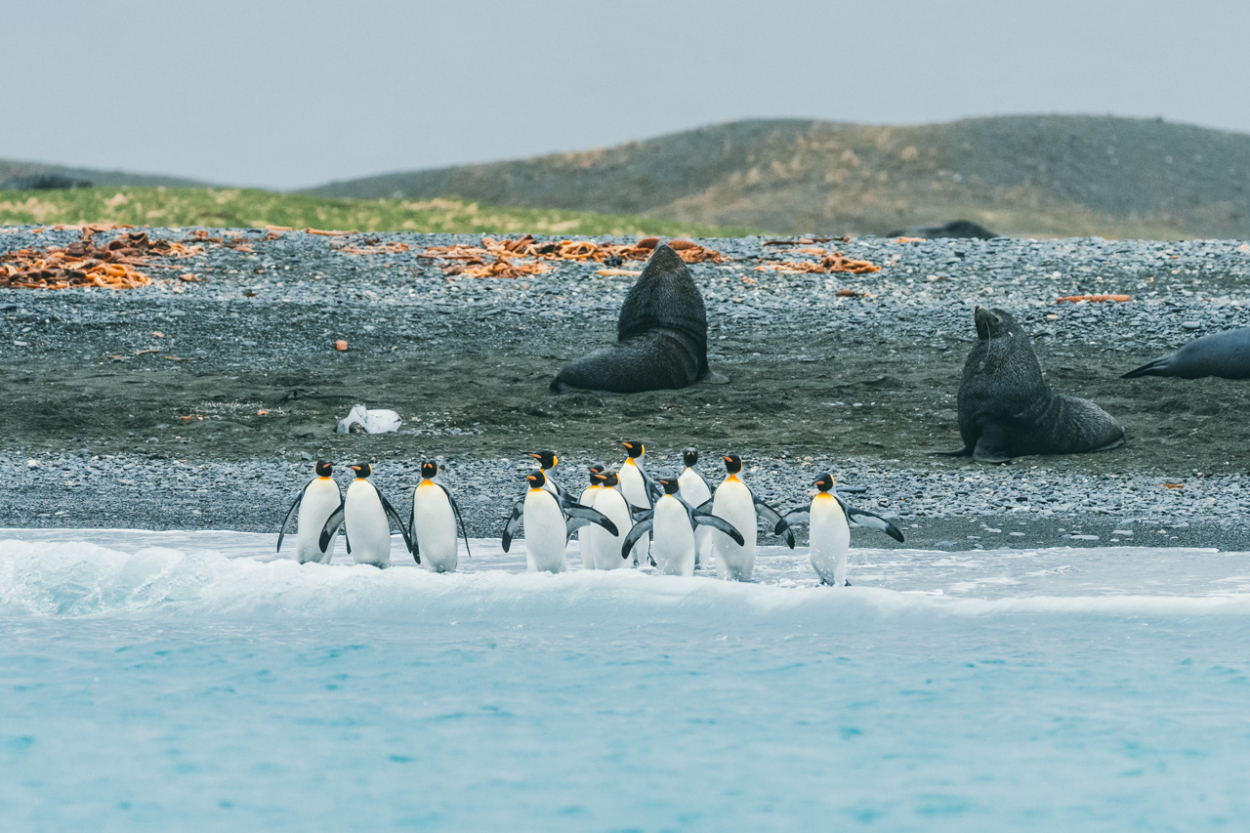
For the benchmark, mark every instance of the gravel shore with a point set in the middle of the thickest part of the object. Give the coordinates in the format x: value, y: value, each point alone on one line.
x: 213, y: 423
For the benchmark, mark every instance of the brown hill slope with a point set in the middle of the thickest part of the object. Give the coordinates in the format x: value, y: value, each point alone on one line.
x: 1021, y: 175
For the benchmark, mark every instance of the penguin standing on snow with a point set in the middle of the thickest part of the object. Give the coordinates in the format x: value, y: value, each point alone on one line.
x: 830, y: 516
x: 735, y: 503
x: 432, y: 526
x: 549, y: 522
x: 364, y: 516
x: 695, y: 490
x: 611, y: 504
x: 639, y: 489
x: 316, y: 502
x: 547, y: 461
x: 588, y: 537
x: 672, y: 524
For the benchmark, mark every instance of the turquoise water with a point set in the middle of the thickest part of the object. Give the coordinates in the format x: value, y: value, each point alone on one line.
x: 161, y: 681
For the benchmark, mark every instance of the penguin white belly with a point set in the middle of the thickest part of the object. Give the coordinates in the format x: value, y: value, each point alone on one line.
x: 321, y: 498
x: 733, y: 503
x: 608, y: 548
x: 434, y: 527
x: 695, y: 492
x: 830, y: 540
x: 588, y: 541
x: 634, y: 488
x: 367, y: 527
x: 545, y: 533
x: 674, y: 539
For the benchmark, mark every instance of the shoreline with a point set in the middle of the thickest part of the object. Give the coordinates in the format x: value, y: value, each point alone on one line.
x: 860, y: 386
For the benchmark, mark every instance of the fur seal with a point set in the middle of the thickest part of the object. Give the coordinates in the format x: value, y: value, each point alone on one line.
x: 661, y: 336
x: 1006, y: 408
x: 1224, y: 354
x: 955, y: 228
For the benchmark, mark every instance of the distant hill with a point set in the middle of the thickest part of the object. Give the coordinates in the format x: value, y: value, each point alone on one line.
x: 17, y: 176
x: 1019, y: 175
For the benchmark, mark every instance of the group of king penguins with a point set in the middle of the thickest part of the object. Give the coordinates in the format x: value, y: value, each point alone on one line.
x: 623, y: 518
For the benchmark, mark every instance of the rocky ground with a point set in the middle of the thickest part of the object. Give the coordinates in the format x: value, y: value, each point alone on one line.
x: 214, y: 422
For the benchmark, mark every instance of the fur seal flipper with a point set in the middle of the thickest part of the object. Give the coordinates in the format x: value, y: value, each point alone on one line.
x: 661, y: 336
x: 1225, y: 354
x: 1006, y: 408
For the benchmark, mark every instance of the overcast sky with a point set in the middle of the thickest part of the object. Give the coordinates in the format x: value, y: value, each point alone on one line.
x: 285, y: 95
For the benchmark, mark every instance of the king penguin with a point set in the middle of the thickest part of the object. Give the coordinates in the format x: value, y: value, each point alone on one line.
x: 432, y: 528
x: 316, y: 502
x: 364, y: 516
x: 696, y: 491
x: 547, y: 461
x: 830, y: 533
x: 589, y: 537
x: 639, y: 489
x: 611, y: 504
x: 549, y: 522
x: 672, y: 524
x: 735, y: 503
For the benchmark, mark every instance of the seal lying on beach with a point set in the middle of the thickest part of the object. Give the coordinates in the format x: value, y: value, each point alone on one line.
x: 661, y: 336
x: 1006, y: 409
x: 955, y: 228
x: 1224, y: 354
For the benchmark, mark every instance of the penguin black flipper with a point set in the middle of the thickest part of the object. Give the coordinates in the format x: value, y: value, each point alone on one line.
x: 332, y: 527
x: 801, y: 515
x: 290, y: 513
x: 455, y: 508
x: 773, y: 518
x: 579, y: 516
x: 412, y: 530
x: 859, y: 517
x: 641, y: 528
x: 636, y: 512
x: 514, y: 521
x: 654, y: 489
x: 705, y: 519
x: 399, y: 522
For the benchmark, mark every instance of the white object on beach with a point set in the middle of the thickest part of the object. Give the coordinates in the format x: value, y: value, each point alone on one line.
x: 378, y: 421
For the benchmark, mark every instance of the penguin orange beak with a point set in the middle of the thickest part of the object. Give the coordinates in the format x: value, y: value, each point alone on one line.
x: 535, y: 455
x: 728, y: 459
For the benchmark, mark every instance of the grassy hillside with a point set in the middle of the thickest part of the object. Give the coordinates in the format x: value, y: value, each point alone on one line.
x: 241, y: 208
x: 1026, y: 175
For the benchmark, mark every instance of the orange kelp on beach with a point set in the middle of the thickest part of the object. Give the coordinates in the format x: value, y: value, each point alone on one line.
x: 115, y: 265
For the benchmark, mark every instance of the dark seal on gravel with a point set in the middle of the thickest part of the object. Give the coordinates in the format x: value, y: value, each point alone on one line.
x: 955, y: 228
x: 1224, y: 354
x: 661, y: 336
x: 1006, y: 408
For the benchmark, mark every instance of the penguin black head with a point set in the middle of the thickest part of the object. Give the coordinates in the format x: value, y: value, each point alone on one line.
x: 362, y: 469
x: 595, y: 470
x: 670, y: 485
x: 690, y: 456
x: 607, y: 478
x: 993, y: 323
x: 824, y: 482
x: 733, y: 463
x: 634, y: 448
x: 546, y: 459
x: 325, y: 469
x: 537, y: 479
x: 429, y: 469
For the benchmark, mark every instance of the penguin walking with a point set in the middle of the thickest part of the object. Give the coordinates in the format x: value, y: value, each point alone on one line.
x: 734, y: 502
x: 611, y: 504
x: 830, y: 516
x: 547, y: 461
x: 549, y: 522
x: 364, y: 515
x: 696, y: 491
x: 672, y: 523
x: 315, y: 503
x: 432, y: 526
x: 588, y: 537
x: 639, y: 489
